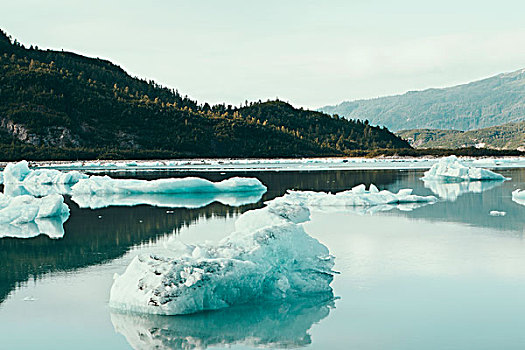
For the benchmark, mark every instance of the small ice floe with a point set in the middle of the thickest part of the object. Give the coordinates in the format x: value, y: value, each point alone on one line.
x: 518, y: 196
x: 497, y: 213
x: 269, y: 257
x: 360, y: 197
x: 27, y: 216
x: 30, y: 298
x: 107, y: 185
x: 450, y: 169
x: 19, y: 173
x: 100, y: 192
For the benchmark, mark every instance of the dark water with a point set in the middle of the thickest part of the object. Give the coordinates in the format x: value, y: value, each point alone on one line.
x: 447, y: 271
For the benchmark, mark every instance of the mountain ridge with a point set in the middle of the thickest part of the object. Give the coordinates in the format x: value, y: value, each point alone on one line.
x: 482, y: 103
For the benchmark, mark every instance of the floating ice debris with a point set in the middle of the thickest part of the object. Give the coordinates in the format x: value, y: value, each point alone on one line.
x: 103, y: 185
x: 268, y: 257
x: 267, y: 325
x: 357, y: 197
x: 24, y: 209
x: 497, y: 213
x: 19, y: 173
x: 450, y: 169
x: 30, y: 299
x: 184, y: 200
x: 27, y: 216
x: 452, y: 190
x: 518, y: 196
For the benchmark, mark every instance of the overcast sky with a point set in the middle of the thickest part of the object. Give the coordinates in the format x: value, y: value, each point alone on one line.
x: 310, y: 53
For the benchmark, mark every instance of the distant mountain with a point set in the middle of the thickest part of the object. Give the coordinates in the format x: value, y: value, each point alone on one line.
x: 480, y: 104
x: 507, y: 136
x: 59, y: 104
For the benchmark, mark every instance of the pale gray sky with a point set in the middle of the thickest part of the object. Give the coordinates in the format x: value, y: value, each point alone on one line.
x: 311, y: 53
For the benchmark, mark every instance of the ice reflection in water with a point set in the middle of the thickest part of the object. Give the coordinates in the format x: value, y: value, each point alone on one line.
x: 450, y: 191
x: 274, y: 325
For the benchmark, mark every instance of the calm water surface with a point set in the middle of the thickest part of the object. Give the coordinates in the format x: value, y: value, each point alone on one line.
x: 442, y: 276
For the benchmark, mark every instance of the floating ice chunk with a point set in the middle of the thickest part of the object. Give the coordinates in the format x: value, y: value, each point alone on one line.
x: 450, y: 169
x: 452, y: 190
x: 357, y: 197
x: 27, y: 216
x: 185, y: 200
x: 267, y: 258
x: 497, y: 213
x: 518, y: 196
x: 19, y: 180
x: 102, y: 185
x: 282, y: 324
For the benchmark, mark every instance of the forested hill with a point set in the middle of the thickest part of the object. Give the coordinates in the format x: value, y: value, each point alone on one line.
x: 509, y: 136
x: 58, y: 104
x: 480, y: 104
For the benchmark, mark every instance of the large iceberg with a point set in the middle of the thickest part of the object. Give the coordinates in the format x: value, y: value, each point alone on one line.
x: 268, y: 257
x: 450, y: 169
x: 518, y: 196
x: 26, y: 216
x: 103, y: 185
x: 359, y: 196
x: 282, y: 325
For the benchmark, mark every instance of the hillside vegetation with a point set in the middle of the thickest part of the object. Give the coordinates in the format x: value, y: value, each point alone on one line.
x: 59, y: 104
x: 507, y: 136
x: 489, y: 102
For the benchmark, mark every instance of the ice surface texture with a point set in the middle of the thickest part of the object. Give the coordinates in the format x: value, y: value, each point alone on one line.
x: 27, y: 216
x: 450, y: 169
x: 268, y: 257
x: 518, y: 196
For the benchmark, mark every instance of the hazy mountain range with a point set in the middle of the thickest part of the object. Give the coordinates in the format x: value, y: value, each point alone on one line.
x: 485, y: 103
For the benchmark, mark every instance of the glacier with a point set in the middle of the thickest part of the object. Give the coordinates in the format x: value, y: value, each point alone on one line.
x: 103, y: 185
x: 518, y: 196
x: 268, y: 257
x: 281, y: 324
x: 450, y: 169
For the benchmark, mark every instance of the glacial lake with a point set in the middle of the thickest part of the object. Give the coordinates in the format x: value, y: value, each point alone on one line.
x: 440, y: 276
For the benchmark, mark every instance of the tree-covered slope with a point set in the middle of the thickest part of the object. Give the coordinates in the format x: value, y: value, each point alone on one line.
x: 480, y: 104
x: 507, y: 136
x: 62, y: 100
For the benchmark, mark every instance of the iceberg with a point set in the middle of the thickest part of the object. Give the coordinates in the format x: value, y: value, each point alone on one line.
x: 103, y: 185
x: 518, y: 196
x: 18, y: 179
x: 359, y: 197
x: 452, y: 190
x: 26, y: 216
x: 269, y: 257
x: 190, y: 201
x: 280, y: 325
x: 450, y: 169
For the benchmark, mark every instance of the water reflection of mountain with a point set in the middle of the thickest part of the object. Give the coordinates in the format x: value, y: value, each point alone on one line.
x: 278, y: 325
x: 472, y: 208
x: 89, y: 240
